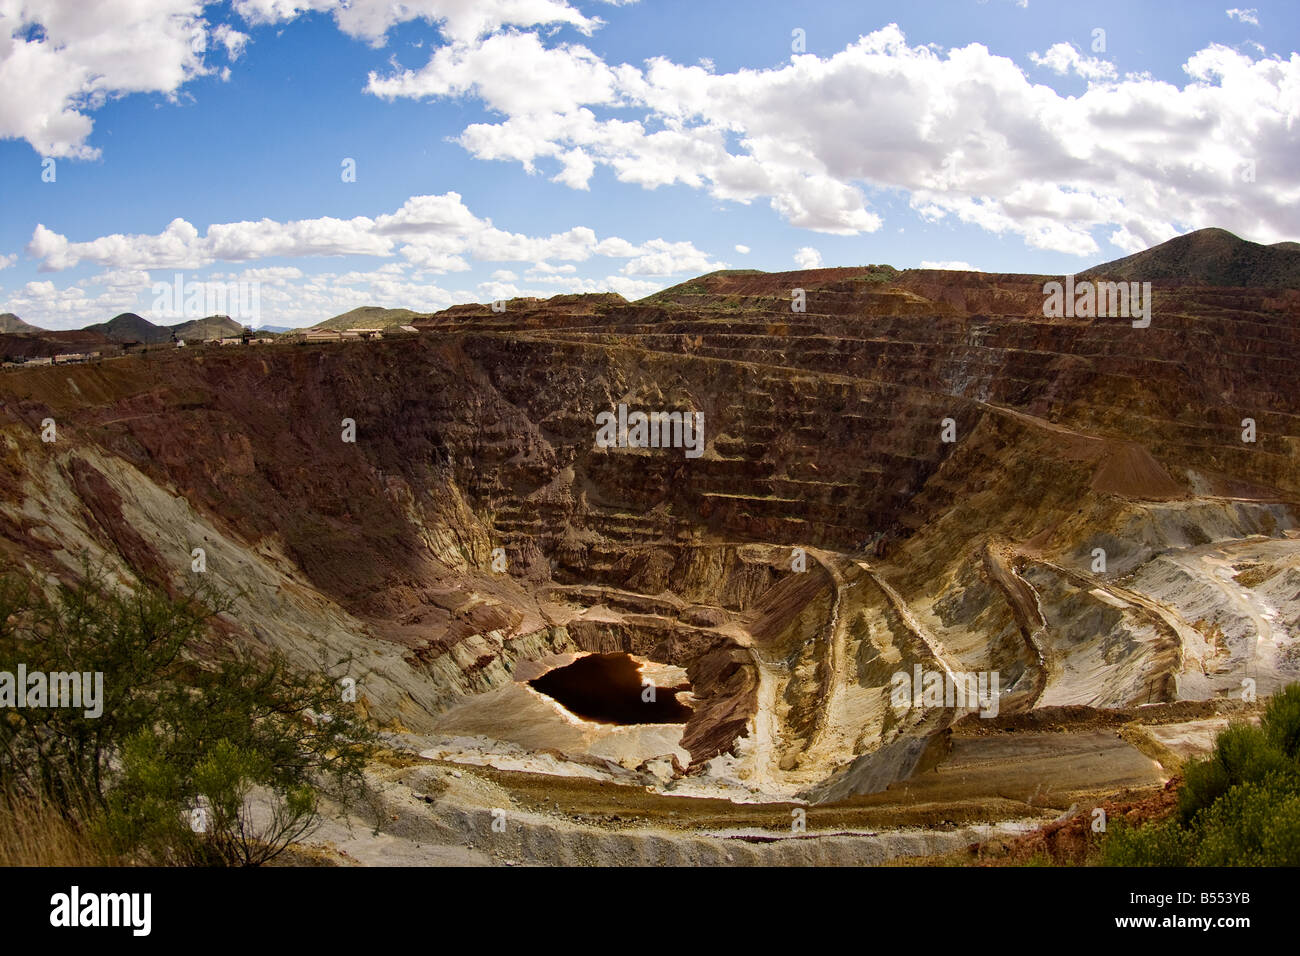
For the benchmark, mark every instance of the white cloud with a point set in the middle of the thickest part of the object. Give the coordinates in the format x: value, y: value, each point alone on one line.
x: 62, y: 59
x: 232, y: 40
x: 180, y: 246
x: 628, y: 288
x: 327, y: 236
x: 426, y: 235
x: 547, y: 269
x: 286, y: 300
x: 808, y: 258
x: 273, y: 274
x: 578, y: 167
x: 458, y: 19
x: 120, y: 279
x: 567, y: 76
x: 1063, y: 58
x: 7, y: 261
x: 1249, y: 15
x: 955, y: 265
x: 331, y: 293
x: 962, y: 132
x: 661, y: 258
x: 43, y: 304
x: 434, y: 233
x: 615, y: 247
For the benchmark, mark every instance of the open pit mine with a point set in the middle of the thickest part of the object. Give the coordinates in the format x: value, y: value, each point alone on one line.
x: 894, y: 562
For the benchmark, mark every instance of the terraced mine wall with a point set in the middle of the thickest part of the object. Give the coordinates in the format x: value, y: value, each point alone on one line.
x: 474, y: 522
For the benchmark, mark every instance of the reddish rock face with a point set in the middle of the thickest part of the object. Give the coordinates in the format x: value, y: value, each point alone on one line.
x: 824, y: 429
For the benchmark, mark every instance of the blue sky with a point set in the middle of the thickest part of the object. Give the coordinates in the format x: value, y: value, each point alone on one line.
x: 508, y: 147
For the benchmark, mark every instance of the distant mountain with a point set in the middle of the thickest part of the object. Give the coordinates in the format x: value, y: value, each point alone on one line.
x: 18, y: 347
x: 275, y: 328
x: 129, y: 327
x: 1211, y: 256
x: 11, y: 323
x: 368, y: 317
x: 752, y: 282
x: 213, y: 327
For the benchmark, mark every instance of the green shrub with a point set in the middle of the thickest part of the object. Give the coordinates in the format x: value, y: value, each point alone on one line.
x: 1242, y: 753
x: 1281, y: 721
x: 1157, y: 844
x: 1238, y: 807
x: 184, y: 725
x: 1254, y: 824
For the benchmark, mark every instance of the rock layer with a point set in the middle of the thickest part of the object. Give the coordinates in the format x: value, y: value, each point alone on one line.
x: 828, y: 537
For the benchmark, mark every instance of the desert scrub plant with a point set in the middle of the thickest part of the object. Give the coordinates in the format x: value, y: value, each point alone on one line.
x: 186, y: 725
x: 35, y: 832
x: 1156, y: 844
x: 248, y: 745
x: 1240, y: 806
x: 134, y: 639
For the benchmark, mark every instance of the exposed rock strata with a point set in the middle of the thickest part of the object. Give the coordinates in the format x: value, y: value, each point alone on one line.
x: 823, y: 432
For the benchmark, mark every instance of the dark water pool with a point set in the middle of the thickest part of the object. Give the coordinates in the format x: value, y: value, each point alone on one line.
x: 607, y: 688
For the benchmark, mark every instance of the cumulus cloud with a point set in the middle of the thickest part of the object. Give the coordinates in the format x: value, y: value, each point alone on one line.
x: 62, y: 59
x: 808, y: 258
x: 119, y: 279
x: 326, y: 294
x: 1064, y: 58
x: 955, y: 265
x: 743, y: 250
x: 231, y: 39
x: 271, y: 274
x: 425, y: 236
x: 45, y: 304
x: 552, y: 285
x: 461, y: 20
x: 180, y: 246
x: 491, y: 69
x: 964, y: 133
x: 287, y: 297
x: 547, y: 269
x: 436, y: 233
x: 659, y: 257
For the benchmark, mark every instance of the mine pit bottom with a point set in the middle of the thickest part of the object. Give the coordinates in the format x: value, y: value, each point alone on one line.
x: 607, y: 689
